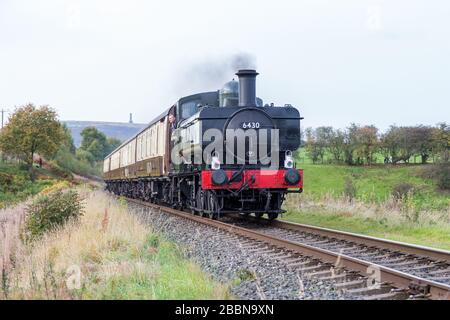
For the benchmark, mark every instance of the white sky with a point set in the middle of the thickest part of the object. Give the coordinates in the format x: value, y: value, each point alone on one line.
x: 364, y: 61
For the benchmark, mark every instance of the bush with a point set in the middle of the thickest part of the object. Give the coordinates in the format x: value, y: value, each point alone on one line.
x: 440, y: 173
x: 48, y: 212
x: 444, y: 176
x: 402, y: 191
x: 349, y: 189
x: 6, y: 181
x: 70, y: 162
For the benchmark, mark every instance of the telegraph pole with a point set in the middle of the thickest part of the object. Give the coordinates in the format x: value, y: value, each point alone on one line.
x: 3, y: 112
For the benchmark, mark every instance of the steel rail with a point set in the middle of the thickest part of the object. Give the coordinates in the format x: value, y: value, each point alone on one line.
x: 432, y: 253
x: 398, y: 279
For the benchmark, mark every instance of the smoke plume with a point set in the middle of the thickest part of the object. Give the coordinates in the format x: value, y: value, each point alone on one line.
x: 212, y: 73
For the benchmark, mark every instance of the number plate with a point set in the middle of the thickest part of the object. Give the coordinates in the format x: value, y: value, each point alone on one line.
x: 250, y: 125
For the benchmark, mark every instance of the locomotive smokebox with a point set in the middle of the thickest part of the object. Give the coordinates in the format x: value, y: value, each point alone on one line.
x: 247, y: 87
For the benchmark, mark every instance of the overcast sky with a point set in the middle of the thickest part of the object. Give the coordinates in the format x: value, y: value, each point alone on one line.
x: 364, y: 61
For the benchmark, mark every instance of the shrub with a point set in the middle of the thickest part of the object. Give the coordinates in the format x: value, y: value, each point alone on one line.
x: 245, y: 275
x: 6, y: 180
x: 153, y: 240
x: 349, y: 189
x: 70, y: 162
x: 48, y: 212
x: 444, y: 178
x: 440, y: 173
x: 402, y: 191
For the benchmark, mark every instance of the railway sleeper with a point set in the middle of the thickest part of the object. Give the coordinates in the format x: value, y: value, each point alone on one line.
x: 301, y: 264
x: 337, y: 277
x: 320, y: 274
x: 262, y: 251
x: 402, y: 264
x: 341, y: 248
x: 316, y: 268
x: 360, y: 283
x: 389, y: 260
x: 440, y: 271
x: 295, y: 259
x: 393, y: 295
x: 280, y: 255
x: 366, y: 291
x: 321, y: 242
x: 441, y: 279
x: 361, y: 251
x: 376, y: 257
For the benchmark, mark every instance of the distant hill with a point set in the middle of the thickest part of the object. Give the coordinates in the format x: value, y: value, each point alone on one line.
x: 121, y: 131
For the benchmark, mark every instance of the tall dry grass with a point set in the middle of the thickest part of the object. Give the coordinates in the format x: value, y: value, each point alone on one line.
x: 394, y: 211
x: 11, y: 221
x: 107, y: 253
x: 43, y: 269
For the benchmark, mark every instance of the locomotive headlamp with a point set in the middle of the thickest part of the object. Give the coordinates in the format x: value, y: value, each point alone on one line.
x: 291, y: 176
x: 288, y: 160
x: 215, y: 162
x: 219, y: 177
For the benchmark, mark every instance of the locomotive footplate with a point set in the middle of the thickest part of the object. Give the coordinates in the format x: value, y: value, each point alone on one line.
x: 255, y: 179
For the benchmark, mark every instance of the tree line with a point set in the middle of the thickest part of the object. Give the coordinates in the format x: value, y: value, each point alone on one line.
x: 34, y: 131
x: 358, y: 145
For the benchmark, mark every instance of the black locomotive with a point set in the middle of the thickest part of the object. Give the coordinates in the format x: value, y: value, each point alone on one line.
x: 213, y: 153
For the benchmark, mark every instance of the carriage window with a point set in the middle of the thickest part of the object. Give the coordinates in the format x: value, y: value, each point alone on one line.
x: 188, y: 109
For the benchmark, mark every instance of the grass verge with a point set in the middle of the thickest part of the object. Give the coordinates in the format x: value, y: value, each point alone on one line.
x: 390, y: 222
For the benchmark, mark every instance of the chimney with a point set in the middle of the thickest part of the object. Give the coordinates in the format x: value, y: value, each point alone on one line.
x: 247, y: 87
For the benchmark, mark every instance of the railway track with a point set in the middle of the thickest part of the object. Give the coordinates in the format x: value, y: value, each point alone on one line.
x: 367, y: 267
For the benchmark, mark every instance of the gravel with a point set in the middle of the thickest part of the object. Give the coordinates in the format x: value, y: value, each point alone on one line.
x: 232, y: 259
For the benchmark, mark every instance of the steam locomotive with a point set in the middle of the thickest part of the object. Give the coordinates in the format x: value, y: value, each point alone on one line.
x: 213, y: 153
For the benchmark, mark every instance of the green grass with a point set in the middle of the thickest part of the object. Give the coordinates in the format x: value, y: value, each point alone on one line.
x: 21, y: 187
x: 437, y: 235
x: 163, y: 274
x: 374, y: 184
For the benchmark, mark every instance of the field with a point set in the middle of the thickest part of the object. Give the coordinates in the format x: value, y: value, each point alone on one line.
x: 362, y: 199
x: 374, y: 184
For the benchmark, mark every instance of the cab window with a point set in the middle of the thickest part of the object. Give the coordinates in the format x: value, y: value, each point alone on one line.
x: 188, y: 109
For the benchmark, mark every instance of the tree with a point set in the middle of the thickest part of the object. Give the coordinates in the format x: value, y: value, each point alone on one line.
x: 397, y: 143
x: 112, y: 144
x: 97, y: 144
x: 314, y: 148
x: 441, y: 141
x: 89, y: 135
x: 336, y: 144
x: 422, y: 142
x: 67, y: 140
x: 31, y: 130
x: 350, y: 143
x: 389, y: 142
x: 85, y: 156
x: 366, y: 143
x: 401, y: 143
